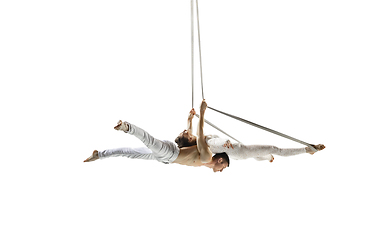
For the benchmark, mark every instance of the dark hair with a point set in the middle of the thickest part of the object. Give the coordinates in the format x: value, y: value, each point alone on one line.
x: 184, y: 142
x: 223, y: 156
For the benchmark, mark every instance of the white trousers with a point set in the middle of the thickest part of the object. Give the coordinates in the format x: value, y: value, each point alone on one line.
x: 162, y: 151
x: 241, y: 151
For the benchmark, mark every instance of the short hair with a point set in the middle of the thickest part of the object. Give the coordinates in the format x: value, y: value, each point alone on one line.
x: 223, y: 156
x: 184, y: 142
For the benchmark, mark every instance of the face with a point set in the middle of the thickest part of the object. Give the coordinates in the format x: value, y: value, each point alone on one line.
x: 220, y: 165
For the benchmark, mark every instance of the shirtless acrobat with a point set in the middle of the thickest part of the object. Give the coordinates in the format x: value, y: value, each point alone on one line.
x: 166, y: 151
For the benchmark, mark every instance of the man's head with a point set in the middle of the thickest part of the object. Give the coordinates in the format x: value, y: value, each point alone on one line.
x: 185, y: 139
x: 221, y: 161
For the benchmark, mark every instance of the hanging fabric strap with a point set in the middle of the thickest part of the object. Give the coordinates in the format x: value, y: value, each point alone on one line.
x: 202, y: 89
x: 264, y: 128
x: 192, y: 48
x: 198, y: 36
x: 201, y: 63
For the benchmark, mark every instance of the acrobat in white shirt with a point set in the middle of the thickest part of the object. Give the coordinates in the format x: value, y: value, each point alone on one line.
x: 240, y: 151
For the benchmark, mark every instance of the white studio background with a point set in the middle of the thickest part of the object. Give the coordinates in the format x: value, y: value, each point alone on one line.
x: 315, y: 70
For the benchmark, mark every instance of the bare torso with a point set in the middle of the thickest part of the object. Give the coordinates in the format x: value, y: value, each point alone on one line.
x: 189, y: 156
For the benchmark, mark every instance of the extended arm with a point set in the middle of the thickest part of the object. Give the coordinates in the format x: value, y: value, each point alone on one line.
x: 202, y: 147
x: 190, y: 117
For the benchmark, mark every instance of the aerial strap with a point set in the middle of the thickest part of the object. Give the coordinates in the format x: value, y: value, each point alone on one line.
x: 201, y: 63
x: 202, y: 89
x: 192, y: 47
x: 264, y: 128
x: 198, y: 36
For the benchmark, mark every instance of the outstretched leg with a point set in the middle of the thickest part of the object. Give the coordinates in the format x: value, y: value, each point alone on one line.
x: 265, y: 152
x: 285, y: 152
x: 135, y: 153
x: 164, y: 151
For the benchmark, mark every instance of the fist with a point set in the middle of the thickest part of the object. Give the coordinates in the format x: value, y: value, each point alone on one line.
x: 203, y: 105
x: 192, y: 113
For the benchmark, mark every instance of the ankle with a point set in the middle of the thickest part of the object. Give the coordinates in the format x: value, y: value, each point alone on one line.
x: 126, y: 128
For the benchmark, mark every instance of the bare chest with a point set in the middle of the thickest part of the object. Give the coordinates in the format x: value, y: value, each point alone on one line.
x: 189, y: 156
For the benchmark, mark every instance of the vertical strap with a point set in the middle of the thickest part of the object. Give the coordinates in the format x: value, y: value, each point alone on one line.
x: 192, y: 46
x: 198, y: 35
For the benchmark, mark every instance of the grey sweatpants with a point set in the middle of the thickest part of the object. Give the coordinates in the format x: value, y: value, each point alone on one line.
x: 162, y: 151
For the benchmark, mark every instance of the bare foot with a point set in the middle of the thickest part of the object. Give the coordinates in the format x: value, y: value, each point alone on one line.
x: 121, y: 126
x: 318, y: 147
x: 117, y: 127
x: 93, y: 157
x: 272, y: 158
